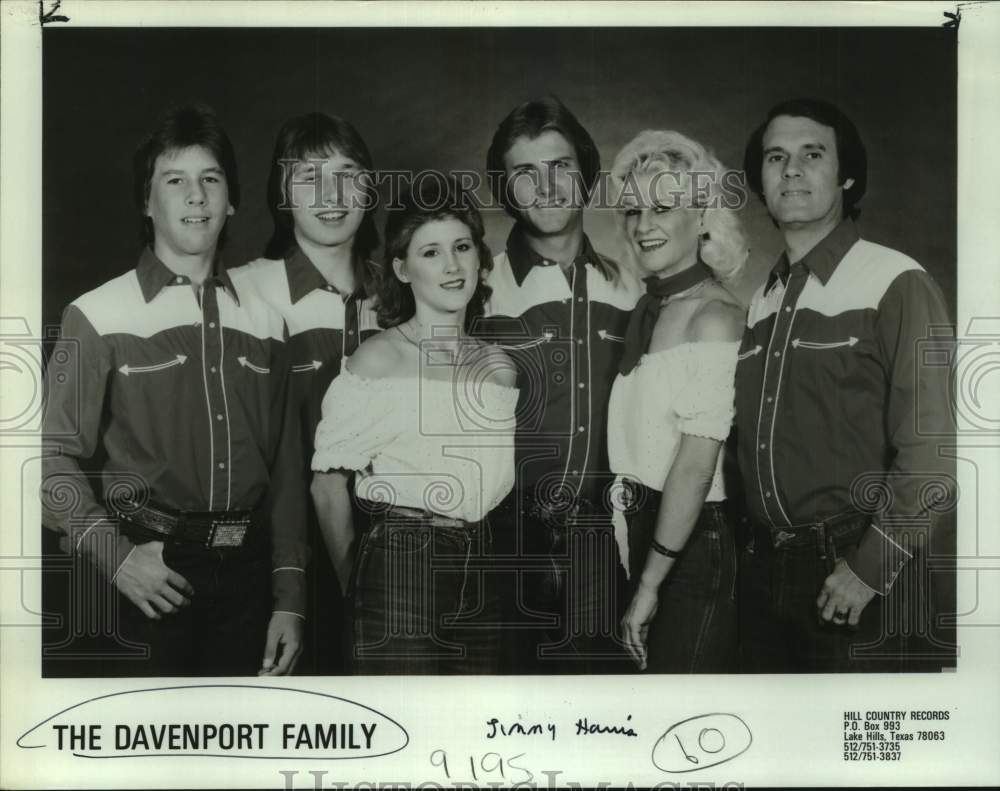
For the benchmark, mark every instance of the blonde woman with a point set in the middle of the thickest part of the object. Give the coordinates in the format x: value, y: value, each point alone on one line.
x: 672, y: 404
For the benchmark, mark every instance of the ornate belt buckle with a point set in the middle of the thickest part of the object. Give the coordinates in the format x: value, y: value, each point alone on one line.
x: 227, y: 532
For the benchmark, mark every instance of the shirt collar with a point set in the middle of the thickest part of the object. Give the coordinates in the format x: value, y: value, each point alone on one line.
x: 523, y: 257
x: 823, y: 259
x: 154, y: 276
x: 304, y: 277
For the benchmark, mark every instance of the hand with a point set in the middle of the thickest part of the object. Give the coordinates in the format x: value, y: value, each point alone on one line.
x: 843, y: 596
x: 284, y: 644
x: 150, y: 584
x: 635, y: 622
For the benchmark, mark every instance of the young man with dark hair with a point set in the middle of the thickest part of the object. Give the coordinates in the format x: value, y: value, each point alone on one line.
x: 315, y: 272
x: 840, y: 426
x: 560, y: 309
x: 180, y: 372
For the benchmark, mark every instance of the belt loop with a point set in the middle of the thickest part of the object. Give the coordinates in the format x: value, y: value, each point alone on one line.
x: 819, y: 531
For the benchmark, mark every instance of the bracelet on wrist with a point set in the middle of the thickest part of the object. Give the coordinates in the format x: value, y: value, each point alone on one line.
x: 667, y: 553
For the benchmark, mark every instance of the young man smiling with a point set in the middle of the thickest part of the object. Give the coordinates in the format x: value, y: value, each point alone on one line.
x: 839, y: 423
x: 179, y: 371
x: 560, y: 309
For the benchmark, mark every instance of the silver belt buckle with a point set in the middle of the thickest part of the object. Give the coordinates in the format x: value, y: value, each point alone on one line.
x: 228, y: 532
x: 781, y: 537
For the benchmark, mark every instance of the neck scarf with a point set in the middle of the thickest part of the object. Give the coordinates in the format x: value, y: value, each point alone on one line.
x: 643, y: 318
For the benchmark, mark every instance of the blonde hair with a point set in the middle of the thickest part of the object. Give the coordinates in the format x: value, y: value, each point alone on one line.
x: 723, y: 246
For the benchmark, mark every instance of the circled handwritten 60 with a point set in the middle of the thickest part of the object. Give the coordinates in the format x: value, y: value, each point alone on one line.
x: 701, y: 742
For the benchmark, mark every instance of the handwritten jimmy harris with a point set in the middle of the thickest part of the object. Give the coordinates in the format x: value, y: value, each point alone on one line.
x: 494, y: 728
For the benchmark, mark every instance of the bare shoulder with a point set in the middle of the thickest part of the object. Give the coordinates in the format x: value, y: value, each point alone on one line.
x: 377, y: 357
x: 497, y: 366
x: 719, y: 318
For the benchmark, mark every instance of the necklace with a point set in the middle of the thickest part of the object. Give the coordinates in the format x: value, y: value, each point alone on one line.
x: 399, y: 327
x: 438, y: 355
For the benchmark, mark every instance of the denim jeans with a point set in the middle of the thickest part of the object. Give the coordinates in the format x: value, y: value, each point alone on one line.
x: 695, y: 628
x: 563, y: 591
x: 423, y: 597
x: 221, y: 632
x: 781, y: 631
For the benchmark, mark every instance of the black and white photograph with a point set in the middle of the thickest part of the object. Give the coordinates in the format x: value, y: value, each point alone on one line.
x: 511, y: 393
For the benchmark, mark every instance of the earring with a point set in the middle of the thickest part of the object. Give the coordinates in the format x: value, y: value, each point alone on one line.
x: 397, y: 266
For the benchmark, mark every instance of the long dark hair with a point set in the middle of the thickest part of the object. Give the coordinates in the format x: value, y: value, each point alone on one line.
x: 433, y: 199
x: 315, y: 135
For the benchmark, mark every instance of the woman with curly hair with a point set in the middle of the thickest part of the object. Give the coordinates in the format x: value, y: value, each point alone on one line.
x: 672, y: 404
x: 425, y: 414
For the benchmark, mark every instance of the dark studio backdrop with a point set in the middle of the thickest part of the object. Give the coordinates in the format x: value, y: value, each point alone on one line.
x: 426, y: 98
x: 433, y: 98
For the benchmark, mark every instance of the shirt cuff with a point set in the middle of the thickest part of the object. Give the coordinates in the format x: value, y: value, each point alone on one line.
x: 102, y: 544
x: 877, y: 559
x: 288, y: 587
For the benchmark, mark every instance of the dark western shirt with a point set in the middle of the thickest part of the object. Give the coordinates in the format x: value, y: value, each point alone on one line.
x: 565, y: 334
x: 190, y: 400
x: 842, y: 396
x: 323, y: 327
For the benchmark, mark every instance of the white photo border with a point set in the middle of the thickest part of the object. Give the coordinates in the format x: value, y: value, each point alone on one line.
x: 796, y: 721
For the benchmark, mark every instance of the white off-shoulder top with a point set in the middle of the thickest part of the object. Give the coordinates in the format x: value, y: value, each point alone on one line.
x: 686, y: 389
x: 443, y: 446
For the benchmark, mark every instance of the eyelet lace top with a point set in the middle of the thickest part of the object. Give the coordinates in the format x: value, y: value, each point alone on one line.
x: 440, y: 445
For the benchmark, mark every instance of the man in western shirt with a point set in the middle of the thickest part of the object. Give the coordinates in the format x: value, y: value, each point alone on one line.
x: 560, y: 309
x: 179, y: 371
x: 838, y: 422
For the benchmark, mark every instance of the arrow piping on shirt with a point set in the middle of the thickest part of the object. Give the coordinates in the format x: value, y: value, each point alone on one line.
x: 749, y: 353
x: 604, y: 335
x: 145, y: 369
x: 796, y: 343
x: 315, y: 365
x: 255, y: 368
x: 548, y: 336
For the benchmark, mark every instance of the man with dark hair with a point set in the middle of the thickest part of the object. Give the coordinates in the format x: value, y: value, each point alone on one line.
x: 852, y: 158
x: 315, y: 272
x: 839, y: 425
x: 180, y: 372
x: 560, y: 309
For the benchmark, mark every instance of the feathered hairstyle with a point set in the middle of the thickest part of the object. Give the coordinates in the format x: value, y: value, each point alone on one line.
x: 530, y: 120
x: 723, y: 245
x: 308, y: 136
x: 180, y: 128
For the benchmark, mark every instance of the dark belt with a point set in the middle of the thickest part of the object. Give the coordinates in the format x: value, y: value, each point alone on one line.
x: 561, y: 513
x: 425, y: 517
x: 210, y: 529
x: 815, y: 534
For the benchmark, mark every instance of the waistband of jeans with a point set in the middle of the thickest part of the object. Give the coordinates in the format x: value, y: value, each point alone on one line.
x: 811, y: 534
x: 640, y: 493
x: 557, y: 512
x: 561, y: 512
x: 416, y: 517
